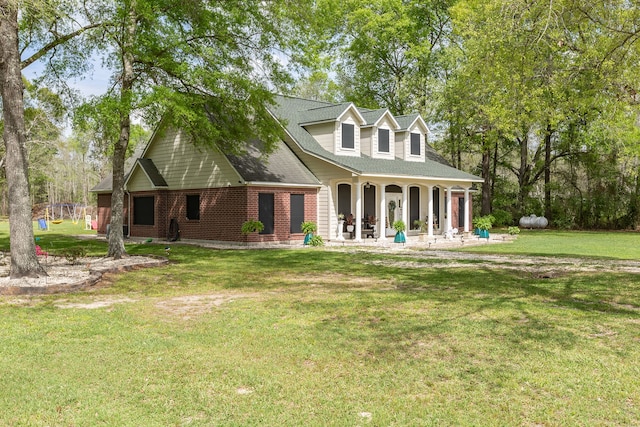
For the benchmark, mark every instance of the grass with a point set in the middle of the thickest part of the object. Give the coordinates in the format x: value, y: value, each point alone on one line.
x: 325, y: 337
x: 614, y: 244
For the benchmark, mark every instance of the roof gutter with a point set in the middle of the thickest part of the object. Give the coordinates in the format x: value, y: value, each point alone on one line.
x: 280, y: 184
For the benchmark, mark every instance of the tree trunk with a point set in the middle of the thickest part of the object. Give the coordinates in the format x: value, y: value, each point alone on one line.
x: 547, y: 172
x: 24, y: 262
x: 523, y: 174
x: 486, y: 174
x: 116, y: 237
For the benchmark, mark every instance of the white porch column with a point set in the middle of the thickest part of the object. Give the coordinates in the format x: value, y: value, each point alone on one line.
x: 332, y: 210
x: 442, y: 223
x: 382, y: 217
x: 358, y: 215
x: 405, y: 206
x: 448, y: 226
x: 467, y: 211
x: 430, y: 210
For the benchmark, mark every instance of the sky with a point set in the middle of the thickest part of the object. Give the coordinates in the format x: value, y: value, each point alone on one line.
x: 96, y: 83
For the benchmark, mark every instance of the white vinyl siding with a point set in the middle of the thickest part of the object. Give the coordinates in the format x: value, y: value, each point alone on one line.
x: 324, y: 134
x: 185, y: 166
x: 139, y: 181
x: 366, y: 140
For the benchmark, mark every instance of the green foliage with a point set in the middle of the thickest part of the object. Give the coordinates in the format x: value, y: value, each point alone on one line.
x: 399, y: 226
x: 316, y: 240
x: 502, y: 218
x: 252, y: 226
x: 309, y: 227
x: 483, y: 222
x: 513, y: 231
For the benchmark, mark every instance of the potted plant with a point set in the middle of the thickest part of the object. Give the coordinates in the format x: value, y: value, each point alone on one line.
x: 423, y: 228
x: 350, y: 225
x: 251, y: 226
x: 483, y: 224
x: 308, y: 228
x: 400, y: 228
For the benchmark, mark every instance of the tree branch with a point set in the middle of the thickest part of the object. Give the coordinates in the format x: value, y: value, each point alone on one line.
x: 45, y: 49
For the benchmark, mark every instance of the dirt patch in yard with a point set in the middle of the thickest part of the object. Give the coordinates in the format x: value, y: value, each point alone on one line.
x: 538, y: 267
x: 64, y: 276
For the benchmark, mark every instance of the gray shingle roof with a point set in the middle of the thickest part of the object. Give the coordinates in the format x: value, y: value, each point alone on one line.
x: 282, y: 166
x: 323, y: 113
x: 295, y: 111
x: 372, y: 116
x: 152, y: 172
x: 406, y: 120
x: 106, y: 185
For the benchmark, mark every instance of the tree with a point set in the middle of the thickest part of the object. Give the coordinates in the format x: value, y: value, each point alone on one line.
x: 23, y: 252
x: 538, y: 76
x: 23, y: 257
x: 205, y: 67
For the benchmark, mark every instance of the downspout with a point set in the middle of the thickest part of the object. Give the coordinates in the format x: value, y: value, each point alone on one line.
x: 129, y: 216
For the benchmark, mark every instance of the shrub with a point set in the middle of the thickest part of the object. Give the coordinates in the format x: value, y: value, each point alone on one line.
x: 513, y: 231
x: 251, y: 226
x: 502, y: 218
x: 316, y: 241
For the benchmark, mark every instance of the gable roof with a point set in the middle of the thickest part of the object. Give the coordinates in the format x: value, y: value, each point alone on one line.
x: 106, y: 185
x: 281, y: 167
x: 151, y: 172
x: 328, y: 113
x: 296, y: 111
x: 373, y: 117
x: 407, y: 121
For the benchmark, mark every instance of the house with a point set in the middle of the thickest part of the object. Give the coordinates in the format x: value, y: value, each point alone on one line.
x: 335, y: 160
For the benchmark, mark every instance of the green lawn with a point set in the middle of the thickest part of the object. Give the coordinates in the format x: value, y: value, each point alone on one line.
x: 320, y: 337
x: 612, y: 244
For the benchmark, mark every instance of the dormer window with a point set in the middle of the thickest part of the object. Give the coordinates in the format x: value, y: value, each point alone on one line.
x: 415, y: 144
x: 383, y: 140
x: 348, y: 136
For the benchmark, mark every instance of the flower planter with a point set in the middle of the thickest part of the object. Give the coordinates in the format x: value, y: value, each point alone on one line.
x: 400, y: 237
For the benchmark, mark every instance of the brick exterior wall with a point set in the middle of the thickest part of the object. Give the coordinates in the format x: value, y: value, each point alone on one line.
x: 222, y: 213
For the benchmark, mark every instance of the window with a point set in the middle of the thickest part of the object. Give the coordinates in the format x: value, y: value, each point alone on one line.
x: 414, y: 204
x: 143, y: 210
x: 193, y: 206
x: 266, y: 212
x: 348, y: 136
x: 415, y: 144
x: 383, y: 140
x: 297, y: 212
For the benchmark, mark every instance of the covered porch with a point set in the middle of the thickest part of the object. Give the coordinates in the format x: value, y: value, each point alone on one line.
x: 367, y: 207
